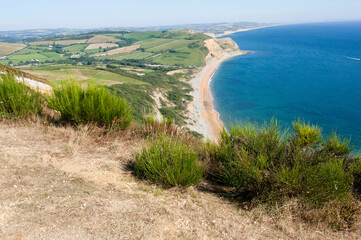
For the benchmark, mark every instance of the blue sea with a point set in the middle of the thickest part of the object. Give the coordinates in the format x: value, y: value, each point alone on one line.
x: 306, y: 71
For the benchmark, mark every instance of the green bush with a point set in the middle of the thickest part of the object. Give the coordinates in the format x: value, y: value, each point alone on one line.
x: 328, y: 181
x: 169, y: 161
x: 18, y: 100
x: 356, y: 173
x: 338, y: 146
x: 307, y: 135
x: 90, y: 104
x: 270, y: 165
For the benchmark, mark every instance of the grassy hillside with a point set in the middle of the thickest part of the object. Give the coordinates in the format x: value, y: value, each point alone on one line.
x: 82, y: 138
x: 134, y: 64
x: 173, y: 45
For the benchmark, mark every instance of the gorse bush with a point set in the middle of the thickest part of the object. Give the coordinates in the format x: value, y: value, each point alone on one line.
x: 18, y: 100
x: 307, y: 135
x: 356, y: 172
x: 90, y: 104
x: 169, y: 161
x: 270, y: 165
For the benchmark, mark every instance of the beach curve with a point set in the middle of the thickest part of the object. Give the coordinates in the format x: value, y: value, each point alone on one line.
x: 205, y: 118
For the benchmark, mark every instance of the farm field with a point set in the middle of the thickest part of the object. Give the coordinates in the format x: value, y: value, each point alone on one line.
x: 100, y: 45
x: 76, y: 48
x: 135, y: 55
x: 7, y: 48
x: 123, y: 50
x: 102, y: 39
x: 173, y: 48
x: 84, y: 74
x: 133, y: 64
x: 62, y: 42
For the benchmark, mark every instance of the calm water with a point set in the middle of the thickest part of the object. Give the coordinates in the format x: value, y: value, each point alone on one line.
x: 308, y: 71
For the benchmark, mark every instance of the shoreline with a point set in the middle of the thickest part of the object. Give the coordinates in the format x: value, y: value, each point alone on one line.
x: 247, y: 29
x: 209, y: 114
x: 205, y: 119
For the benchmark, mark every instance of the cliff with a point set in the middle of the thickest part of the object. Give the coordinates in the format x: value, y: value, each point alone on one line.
x: 222, y: 48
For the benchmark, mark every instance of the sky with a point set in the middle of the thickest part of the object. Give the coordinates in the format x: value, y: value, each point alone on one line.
x: 36, y: 14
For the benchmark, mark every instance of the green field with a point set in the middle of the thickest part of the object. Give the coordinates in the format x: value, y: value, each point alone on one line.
x: 173, y: 48
x: 133, y: 55
x: 173, y: 45
x: 76, y: 48
x: 50, y: 54
x: 141, y: 35
x: 132, y: 72
x: 84, y: 74
x: 27, y: 51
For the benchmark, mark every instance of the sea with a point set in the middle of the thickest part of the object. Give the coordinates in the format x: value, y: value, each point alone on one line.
x: 308, y: 71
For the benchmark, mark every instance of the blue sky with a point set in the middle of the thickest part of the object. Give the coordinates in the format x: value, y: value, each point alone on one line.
x: 27, y: 14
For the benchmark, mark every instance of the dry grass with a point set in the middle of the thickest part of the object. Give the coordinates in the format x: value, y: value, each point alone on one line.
x: 57, y: 183
x: 7, y: 48
x: 101, y: 45
x: 102, y: 39
x: 121, y: 50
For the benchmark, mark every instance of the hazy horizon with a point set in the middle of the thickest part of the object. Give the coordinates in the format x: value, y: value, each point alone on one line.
x: 21, y: 14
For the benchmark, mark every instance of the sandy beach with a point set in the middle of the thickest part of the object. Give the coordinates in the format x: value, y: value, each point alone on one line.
x: 204, y: 119
x: 210, y: 116
x: 246, y: 29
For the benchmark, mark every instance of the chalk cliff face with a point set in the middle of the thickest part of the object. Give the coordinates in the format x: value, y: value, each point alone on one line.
x: 27, y: 79
x: 222, y: 48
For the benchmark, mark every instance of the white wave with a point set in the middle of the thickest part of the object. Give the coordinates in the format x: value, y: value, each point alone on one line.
x: 352, y: 58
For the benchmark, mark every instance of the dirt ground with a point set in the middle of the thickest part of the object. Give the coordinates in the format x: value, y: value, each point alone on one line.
x: 57, y: 183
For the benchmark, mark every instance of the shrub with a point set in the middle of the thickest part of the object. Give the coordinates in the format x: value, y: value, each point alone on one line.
x: 93, y: 103
x: 327, y: 181
x: 356, y: 173
x: 169, y: 161
x: 246, y: 156
x: 18, y: 100
x: 266, y: 164
x: 306, y: 134
x: 338, y: 146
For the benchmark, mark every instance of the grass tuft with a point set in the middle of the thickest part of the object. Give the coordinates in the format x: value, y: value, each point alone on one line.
x: 18, y: 100
x: 90, y: 104
x: 169, y: 161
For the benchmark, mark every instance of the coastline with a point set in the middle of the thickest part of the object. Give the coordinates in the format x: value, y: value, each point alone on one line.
x: 209, y: 114
x: 204, y: 119
x: 247, y: 29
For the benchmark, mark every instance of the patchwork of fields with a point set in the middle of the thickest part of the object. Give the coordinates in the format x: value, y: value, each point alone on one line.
x: 173, y: 48
x: 133, y: 64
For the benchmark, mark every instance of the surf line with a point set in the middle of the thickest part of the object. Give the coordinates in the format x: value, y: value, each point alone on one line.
x: 352, y: 58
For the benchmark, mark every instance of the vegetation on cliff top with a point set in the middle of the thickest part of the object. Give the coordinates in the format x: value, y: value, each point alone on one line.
x: 253, y: 165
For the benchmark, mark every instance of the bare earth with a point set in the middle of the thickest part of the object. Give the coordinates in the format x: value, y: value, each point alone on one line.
x: 121, y: 50
x: 57, y: 183
x: 7, y: 48
x: 101, y: 45
x: 102, y: 39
